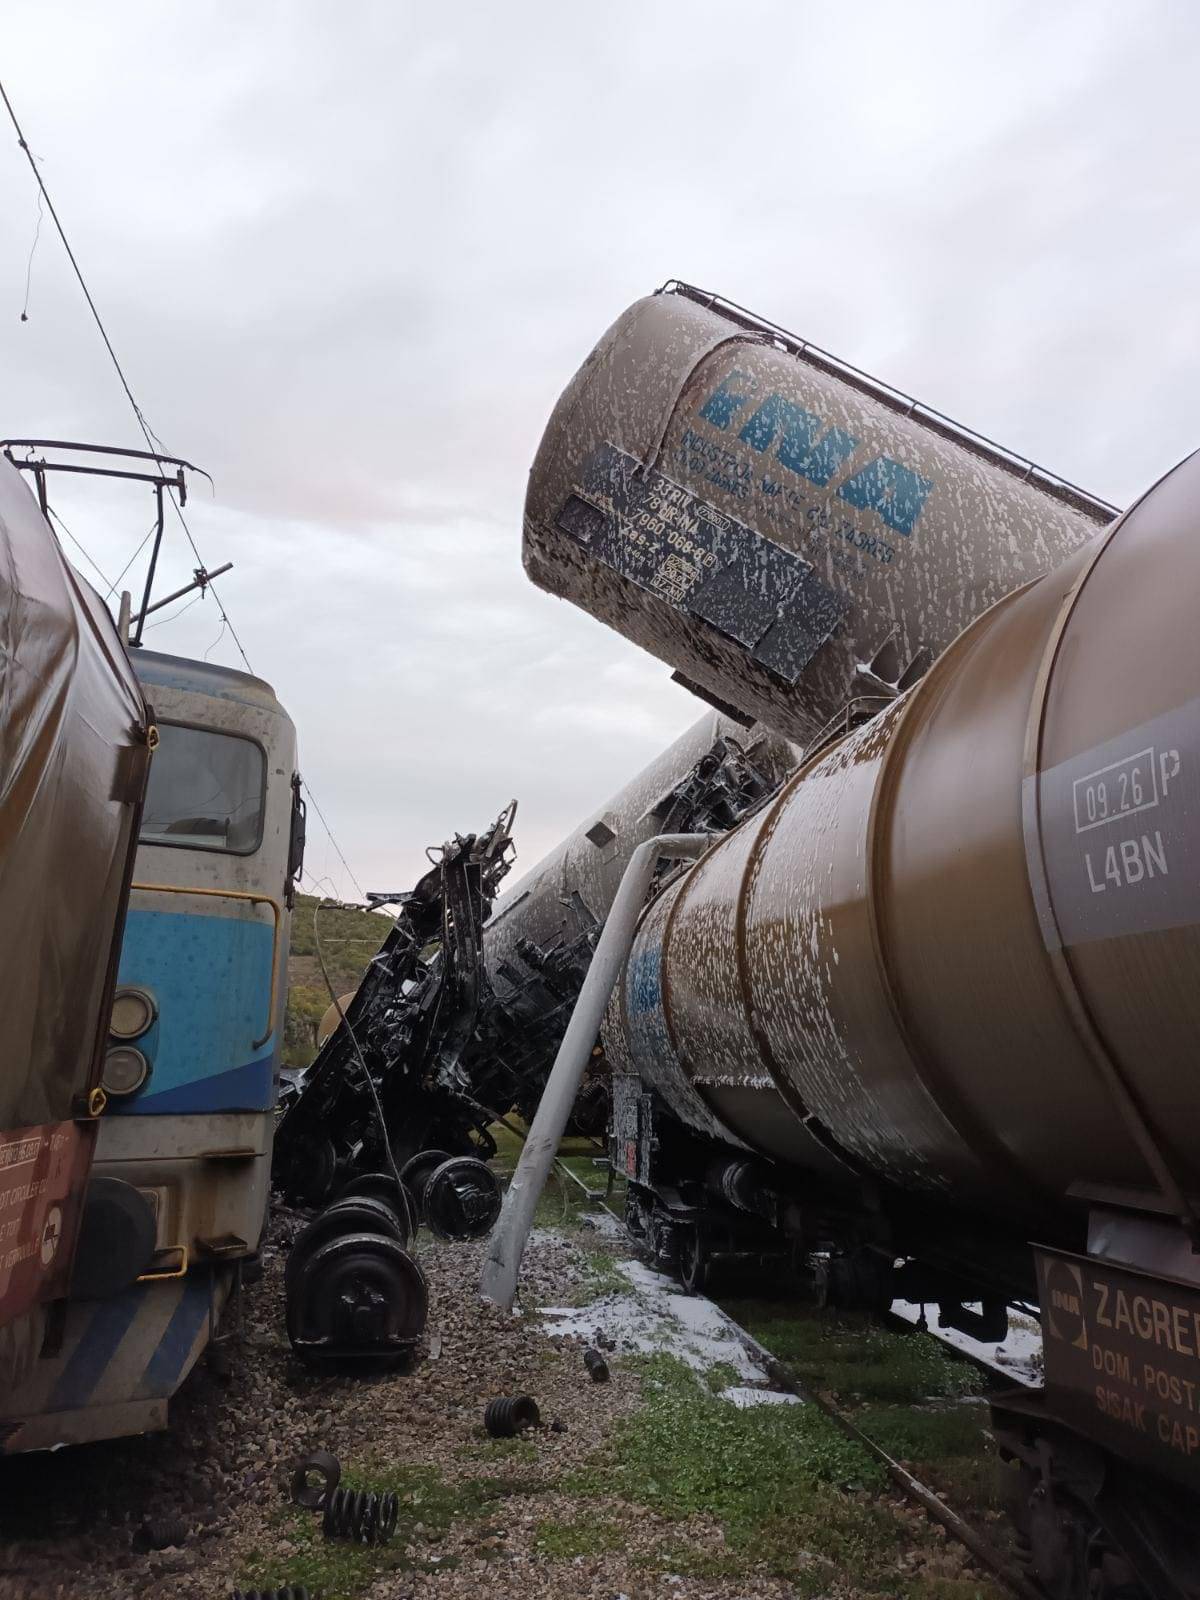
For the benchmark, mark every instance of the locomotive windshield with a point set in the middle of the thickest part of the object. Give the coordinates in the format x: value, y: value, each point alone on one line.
x: 206, y: 791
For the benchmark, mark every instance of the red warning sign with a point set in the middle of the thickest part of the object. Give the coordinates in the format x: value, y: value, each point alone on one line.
x: 42, y: 1175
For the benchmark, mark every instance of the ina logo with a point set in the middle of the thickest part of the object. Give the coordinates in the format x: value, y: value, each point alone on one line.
x: 1062, y: 1292
x: 51, y: 1234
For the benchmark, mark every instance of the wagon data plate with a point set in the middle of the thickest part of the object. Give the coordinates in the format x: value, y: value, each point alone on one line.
x: 1122, y: 1354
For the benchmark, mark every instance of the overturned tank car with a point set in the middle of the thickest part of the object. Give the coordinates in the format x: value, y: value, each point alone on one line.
x: 796, y: 539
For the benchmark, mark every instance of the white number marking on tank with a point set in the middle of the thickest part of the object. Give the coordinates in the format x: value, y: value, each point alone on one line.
x: 1128, y: 862
x: 1122, y: 788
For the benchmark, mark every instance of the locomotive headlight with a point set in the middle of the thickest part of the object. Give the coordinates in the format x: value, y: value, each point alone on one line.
x: 125, y: 1070
x: 132, y: 1013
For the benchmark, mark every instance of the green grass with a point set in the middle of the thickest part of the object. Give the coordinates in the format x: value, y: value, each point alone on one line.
x: 429, y: 1507
x: 853, y: 1359
x: 349, y: 939
x: 927, y: 1433
x: 601, y: 1277
x: 787, y: 1488
x: 485, y: 1448
x: 793, y: 1496
x: 949, y: 1446
x: 564, y: 1541
x: 906, y: 1391
x: 722, y: 1376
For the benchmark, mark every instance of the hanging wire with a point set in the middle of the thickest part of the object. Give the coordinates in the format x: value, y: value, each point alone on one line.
x: 37, y: 233
x: 332, y: 840
x: 220, y: 636
x: 193, y: 601
x: 380, y: 1120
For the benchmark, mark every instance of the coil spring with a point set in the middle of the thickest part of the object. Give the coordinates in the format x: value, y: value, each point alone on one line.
x: 361, y: 1516
x: 295, y: 1593
x: 511, y: 1415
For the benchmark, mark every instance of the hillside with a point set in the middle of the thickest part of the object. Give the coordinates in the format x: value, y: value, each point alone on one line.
x: 349, y: 938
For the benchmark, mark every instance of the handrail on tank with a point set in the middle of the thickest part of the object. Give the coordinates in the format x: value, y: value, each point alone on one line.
x: 1020, y: 467
x: 235, y: 894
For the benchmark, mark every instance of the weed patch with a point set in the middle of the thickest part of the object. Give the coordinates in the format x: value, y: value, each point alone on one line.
x: 429, y: 1507
x: 586, y: 1537
x: 853, y: 1358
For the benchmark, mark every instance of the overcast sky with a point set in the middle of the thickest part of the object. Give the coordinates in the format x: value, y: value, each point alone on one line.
x: 350, y: 254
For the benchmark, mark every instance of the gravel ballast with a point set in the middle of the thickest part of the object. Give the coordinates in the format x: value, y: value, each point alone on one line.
x: 213, y: 1490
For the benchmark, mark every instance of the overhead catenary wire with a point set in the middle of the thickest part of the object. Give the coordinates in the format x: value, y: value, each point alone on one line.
x: 153, y: 443
x: 96, y: 568
x: 146, y: 537
x: 332, y: 840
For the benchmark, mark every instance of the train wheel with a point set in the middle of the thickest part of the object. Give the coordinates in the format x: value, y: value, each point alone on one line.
x: 462, y: 1199
x: 310, y: 1170
x: 693, y: 1260
x: 354, y: 1214
x: 357, y: 1295
x: 417, y: 1171
x: 383, y: 1187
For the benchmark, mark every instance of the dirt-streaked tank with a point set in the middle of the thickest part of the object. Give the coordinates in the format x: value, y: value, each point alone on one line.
x: 960, y: 950
x: 538, y: 943
x: 74, y: 753
x: 572, y: 888
x: 796, y: 539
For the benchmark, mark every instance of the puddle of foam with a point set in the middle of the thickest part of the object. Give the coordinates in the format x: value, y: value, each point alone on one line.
x: 654, y: 1316
x: 1019, y: 1357
x: 743, y: 1398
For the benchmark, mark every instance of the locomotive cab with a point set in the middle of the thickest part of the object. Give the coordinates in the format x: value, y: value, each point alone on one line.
x: 180, y: 1184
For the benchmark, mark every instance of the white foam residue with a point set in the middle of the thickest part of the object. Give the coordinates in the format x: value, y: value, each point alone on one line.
x: 654, y: 1316
x: 604, y: 1223
x: 1019, y: 1357
x: 744, y: 1398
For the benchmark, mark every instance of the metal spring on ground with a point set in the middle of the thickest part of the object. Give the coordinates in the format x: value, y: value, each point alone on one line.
x: 510, y: 1415
x: 294, y: 1593
x: 361, y: 1515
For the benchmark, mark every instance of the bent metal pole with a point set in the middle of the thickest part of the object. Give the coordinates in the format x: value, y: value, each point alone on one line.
x: 502, y: 1264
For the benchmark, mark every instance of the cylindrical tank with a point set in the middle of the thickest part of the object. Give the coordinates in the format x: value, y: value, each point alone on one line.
x: 74, y: 751
x: 788, y: 534
x: 572, y: 888
x: 961, y: 949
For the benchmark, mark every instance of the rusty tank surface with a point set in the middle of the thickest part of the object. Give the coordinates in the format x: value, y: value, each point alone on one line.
x: 75, y: 740
x: 960, y: 949
x: 796, y: 539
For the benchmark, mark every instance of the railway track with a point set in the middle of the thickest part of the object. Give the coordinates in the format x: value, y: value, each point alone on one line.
x: 921, y: 1494
x: 907, y: 1482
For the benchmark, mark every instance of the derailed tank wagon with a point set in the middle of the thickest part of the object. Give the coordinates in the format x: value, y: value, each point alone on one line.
x: 798, y: 540
x: 925, y: 1019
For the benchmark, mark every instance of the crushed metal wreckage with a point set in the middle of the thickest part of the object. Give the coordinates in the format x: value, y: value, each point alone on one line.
x: 392, y: 1079
x: 458, y: 1017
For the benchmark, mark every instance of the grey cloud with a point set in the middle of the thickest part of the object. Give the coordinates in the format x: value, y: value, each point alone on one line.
x: 350, y: 256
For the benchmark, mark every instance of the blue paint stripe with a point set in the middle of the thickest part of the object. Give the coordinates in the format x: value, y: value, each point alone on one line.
x: 248, y: 1088
x: 98, y: 1343
x: 161, y: 1377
